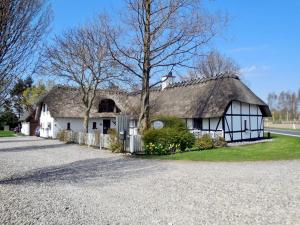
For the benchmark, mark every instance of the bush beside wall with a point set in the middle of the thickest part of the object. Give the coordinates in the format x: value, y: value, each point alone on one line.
x: 115, y: 145
x: 171, y: 138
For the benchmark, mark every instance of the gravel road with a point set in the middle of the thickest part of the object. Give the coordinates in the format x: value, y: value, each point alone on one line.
x: 47, y: 182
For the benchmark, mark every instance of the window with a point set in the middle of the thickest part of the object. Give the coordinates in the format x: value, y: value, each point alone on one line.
x: 68, y: 126
x: 245, y: 125
x: 132, y: 123
x: 94, y: 125
x: 108, y: 105
x: 198, y: 123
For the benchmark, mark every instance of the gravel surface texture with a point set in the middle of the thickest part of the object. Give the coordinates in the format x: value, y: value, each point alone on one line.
x: 47, y: 182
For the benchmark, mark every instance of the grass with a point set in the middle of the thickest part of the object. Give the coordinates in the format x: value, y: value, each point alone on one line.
x: 281, y: 148
x: 6, y: 133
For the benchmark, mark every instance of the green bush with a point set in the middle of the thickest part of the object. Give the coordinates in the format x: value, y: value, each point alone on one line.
x: 171, y: 121
x: 167, y: 140
x: 203, y: 143
x: 114, y: 144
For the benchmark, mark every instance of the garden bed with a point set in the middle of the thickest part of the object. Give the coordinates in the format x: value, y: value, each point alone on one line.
x: 281, y: 148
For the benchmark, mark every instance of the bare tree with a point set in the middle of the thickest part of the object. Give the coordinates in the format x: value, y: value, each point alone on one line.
x: 212, y: 65
x: 23, y: 23
x: 81, y: 58
x: 158, y: 36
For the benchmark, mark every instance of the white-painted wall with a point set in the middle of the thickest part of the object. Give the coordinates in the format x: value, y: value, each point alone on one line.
x: 25, y: 128
x: 46, y: 123
x: 237, y: 116
x: 51, y: 126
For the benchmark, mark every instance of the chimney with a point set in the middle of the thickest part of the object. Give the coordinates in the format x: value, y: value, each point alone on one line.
x: 167, y: 80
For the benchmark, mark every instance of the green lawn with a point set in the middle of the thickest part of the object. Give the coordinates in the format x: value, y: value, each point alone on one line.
x: 281, y: 148
x: 277, y: 128
x: 5, y: 133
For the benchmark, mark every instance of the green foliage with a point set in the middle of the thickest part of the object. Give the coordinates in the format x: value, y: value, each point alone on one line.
x: 8, y: 118
x: 167, y: 140
x: 203, y: 143
x: 281, y: 148
x: 32, y: 94
x: 115, y: 145
x: 171, y: 121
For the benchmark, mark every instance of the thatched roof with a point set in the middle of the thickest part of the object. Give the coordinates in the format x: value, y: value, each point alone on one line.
x: 201, y: 98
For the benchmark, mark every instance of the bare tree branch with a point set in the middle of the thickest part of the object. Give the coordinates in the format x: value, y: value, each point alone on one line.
x: 160, y: 34
x: 81, y: 56
x: 23, y: 23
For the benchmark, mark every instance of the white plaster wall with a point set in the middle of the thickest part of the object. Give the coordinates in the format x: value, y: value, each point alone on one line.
x: 51, y: 126
x: 25, y: 128
x: 251, y: 121
x: 76, y: 124
x: 189, y: 123
x: 235, y: 107
x: 205, y: 124
x: 46, y: 124
x: 214, y: 123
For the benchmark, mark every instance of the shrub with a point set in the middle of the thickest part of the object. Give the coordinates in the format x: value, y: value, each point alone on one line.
x: 167, y: 140
x: 205, y: 142
x: 219, y: 142
x: 65, y: 136
x: 115, y: 145
x: 171, y: 121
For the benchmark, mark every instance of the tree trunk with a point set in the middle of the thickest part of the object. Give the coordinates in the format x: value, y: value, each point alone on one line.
x: 144, y: 118
x: 86, y: 121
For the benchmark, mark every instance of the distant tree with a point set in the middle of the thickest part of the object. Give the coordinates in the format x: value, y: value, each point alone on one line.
x: 294, y: 106
x: 213, y: 65
x: 81, y: 58
x: 272, y: 100
x: 16, y: 95
x: 284, y: 106
x: 158, y: 36
x: 32, y: 94
x: 23, y: 23
x: 9, y: 118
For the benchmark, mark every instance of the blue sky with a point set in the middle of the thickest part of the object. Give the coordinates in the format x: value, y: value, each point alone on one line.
x: 262, y: 36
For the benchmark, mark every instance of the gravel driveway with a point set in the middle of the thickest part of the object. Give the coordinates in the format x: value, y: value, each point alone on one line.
x: 47, y: 182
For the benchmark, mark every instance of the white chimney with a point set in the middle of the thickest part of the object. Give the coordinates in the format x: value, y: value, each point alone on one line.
x: 167, y: 80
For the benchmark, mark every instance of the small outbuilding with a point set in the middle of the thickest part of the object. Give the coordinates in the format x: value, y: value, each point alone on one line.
x: 29, y: 123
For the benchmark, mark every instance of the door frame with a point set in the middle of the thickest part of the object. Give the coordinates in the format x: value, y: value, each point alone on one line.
x: 109, y: 120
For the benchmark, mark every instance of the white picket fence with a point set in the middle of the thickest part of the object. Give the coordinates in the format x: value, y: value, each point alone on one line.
x: 135, y: 144
x: 102, y: 141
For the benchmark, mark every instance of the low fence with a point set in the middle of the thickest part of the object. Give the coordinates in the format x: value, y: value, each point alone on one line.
x: 134, y: 143
x: 101, y: 141
x: 89, y: 139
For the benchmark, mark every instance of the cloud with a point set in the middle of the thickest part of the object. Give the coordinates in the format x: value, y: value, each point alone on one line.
x: 248, y: 49
x: 255, y: 70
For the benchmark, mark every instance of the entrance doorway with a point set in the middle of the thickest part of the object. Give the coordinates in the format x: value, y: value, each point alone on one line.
x: 106, y: 126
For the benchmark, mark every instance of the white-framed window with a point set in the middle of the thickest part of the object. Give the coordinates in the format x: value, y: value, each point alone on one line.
x: 133, y: 123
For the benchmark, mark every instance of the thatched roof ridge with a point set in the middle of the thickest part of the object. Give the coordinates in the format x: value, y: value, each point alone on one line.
x: 199, y: 98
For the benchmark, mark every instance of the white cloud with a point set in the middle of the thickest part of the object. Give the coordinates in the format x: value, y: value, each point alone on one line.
x: 255, y: 70
x: 248, y: 49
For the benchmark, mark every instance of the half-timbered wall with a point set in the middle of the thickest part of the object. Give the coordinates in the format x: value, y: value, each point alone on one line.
x: 243, y: 121
x: 212, y: 124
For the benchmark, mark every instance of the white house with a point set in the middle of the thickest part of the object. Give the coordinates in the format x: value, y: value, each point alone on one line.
x: 221, y: 105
